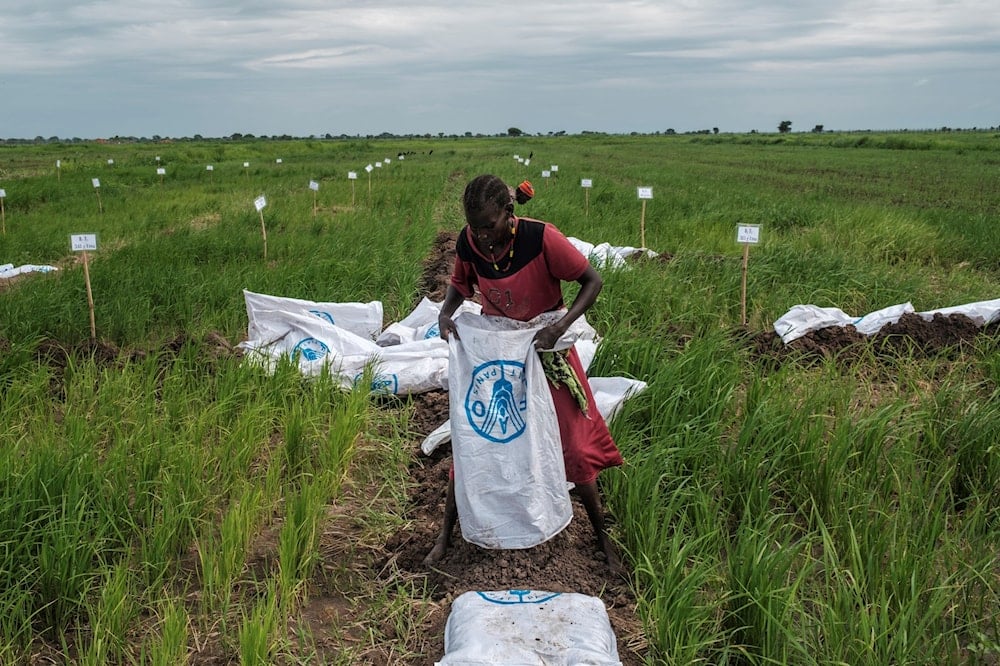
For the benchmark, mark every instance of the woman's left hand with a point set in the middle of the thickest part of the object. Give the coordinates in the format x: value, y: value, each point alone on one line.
x: 546, y: 338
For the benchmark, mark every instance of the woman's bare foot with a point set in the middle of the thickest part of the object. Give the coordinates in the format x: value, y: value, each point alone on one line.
x: 612, y: 557
x: 437, y: 552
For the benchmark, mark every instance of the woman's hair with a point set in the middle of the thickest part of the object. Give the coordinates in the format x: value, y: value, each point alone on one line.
x: 484, y: 194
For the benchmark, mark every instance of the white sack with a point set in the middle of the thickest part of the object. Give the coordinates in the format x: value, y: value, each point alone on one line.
x: 314, y: 344
x: 609, y: 395
x: 528, y: 627
x: 801, y: 319
x: 510, y: 482
x: 8, y: 271
x: 363, y: 319
x: 607, y: 255
x: 981, y: 312
x: 421, y: 323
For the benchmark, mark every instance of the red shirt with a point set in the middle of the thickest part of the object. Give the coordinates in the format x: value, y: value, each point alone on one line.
x: 526, y: 284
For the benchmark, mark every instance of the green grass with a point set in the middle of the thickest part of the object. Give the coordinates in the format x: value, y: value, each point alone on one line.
x: 807, y: 514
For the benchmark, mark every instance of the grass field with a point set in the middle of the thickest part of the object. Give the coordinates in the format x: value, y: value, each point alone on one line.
x: 800, y: 513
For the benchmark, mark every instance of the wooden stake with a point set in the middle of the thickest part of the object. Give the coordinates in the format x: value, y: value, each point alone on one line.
x: 352, y: 194
x: 586, y: 201
x: 263, y: 232
x: 3, y: 217
x: 743, y: 289
x: 642, y: 226
x: 100, y: 206
x: 90, y: 295
x: 314, y: 203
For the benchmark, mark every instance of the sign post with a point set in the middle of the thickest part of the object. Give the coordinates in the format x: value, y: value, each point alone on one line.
x: 545, y: 175
x: 211, y: 172
x: 369, y: 169
x: 3, y: 215
x: 161, y: 172
x: 259, y: 204
x: 586, y: 184
x: 58, y: 169
x: 84, y: 243
x: 352, y: 176
x: 314, y: 186
x: 747, y: 234
x: 97, y: 188
x: 644, y: 194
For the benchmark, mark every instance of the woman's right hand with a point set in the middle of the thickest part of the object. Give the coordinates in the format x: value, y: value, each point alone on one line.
x: 446, y: 326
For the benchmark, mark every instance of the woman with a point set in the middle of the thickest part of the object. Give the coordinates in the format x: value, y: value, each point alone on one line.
x: 518, y: 265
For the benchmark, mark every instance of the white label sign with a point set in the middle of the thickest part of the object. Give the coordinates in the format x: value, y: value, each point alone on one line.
x: 546, y: 173
x: 518, y: 158
x: 387, y: 160
x: 83, y: 242
x: 3, y: 194
x: 277, y: 161
x: 314, y: 186
x: 521, y: 160
x: 96, y: 182
x: 586, y: 182
x: 246, y: 165
x: 157, y: 158
x: 555, y: 167
x: 160, y: 171
x: 644, y: 192
x: 369, y: 168
x: 378, y: 165
x: 111, y: 161
x: 748, y: 233
x: 527, y: 162
x: 401, y: 157
x: 259, y: 203
x: 209, y: 168
x: 352, y: 175
x: 58, y: 164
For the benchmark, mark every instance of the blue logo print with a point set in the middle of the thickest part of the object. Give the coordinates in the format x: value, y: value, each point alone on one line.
x: 326, y: 316
x: 497, y: 401
x: 381, y: 384
x: 433, y: 332
x: 311, y: 349
x: 518, y: 596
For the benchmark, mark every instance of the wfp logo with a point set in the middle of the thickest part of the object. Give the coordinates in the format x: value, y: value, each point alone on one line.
x: 518, y: 596
x: 497, y: 402
x: 310, y: 349
x: 433, y: 332
x: 381, y: 384
x: 325, y: 316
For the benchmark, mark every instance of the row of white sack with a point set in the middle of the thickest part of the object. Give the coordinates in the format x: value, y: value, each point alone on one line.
x: 8, y: 271
x: 409, y: 356
x: 607, y: 255
x: 801, y: 319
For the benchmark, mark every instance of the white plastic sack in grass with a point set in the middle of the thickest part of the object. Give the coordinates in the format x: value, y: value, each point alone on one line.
x: 607, y: 255
x: 364, y: 319
x: 421, y: 323
x: 510, y: 482
x: 8, y: 271
x: 801, y: 319
x: 314, y: 344
x: 527, y: 627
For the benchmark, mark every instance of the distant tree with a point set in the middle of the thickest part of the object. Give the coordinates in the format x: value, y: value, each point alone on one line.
x: 513, y: 131
x: 715, y: 130
x: 818, y: 129
x: 785, y: 126
x: 671, y: 131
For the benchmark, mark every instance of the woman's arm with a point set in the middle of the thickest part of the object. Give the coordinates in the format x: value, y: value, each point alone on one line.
x: 591, y: 284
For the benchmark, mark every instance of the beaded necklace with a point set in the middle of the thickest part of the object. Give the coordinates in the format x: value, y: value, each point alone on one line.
x: 510, y: 255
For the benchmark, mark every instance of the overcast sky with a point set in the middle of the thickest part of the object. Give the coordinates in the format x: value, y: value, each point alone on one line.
x: 178, y: 68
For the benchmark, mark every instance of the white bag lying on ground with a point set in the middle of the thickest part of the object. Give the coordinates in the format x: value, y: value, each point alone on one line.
x: 801, y: 319
x: 525, y: 627
x: 607, y: 255
x: 609, y: 394
x: 364, y: 319
x: 314, y: 344
x: 8, y: 271
x: 421, y: 323
x: 510, y: 482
